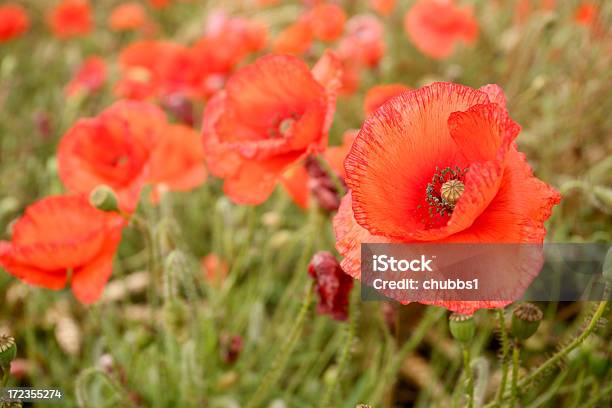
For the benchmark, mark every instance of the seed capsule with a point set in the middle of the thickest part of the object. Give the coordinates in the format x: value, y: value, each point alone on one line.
x: 525, y: 320
x: 104, y: 198
x: 8, y: 350
x: 451, y: 191
x: 462, y: 327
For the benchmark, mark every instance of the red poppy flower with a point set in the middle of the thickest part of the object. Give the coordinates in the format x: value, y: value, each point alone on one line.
x: 89, y: 78
x: 60, y: 238
x: 127, y: 16
x: 113, y: 148
x: 435, y: 26
x: 295, y: 39
x: 71, y: 18
x: 383, y: 7
x: 585, y: 14
x: 13, y: 21
x: 417, y: 142
x: 215, y: 269
x: 310, y: 178
x: 177, y: 162
x: 159, y: 3
x: 227, y: 42
x: 152, y: 69
x: 326, y: 21
x: 128, y: 145
x: 271, y: 114
x: 333, y: 286
x: 363, y: 42
x: 378, y: 95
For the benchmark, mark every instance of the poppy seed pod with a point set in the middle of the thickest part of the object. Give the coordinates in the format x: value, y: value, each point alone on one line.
x: 462, y: 327
x: 8, y: 351
x: 104, y: 198
x: 525, y: 320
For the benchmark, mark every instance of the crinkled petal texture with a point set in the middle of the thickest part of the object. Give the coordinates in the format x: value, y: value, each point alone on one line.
x: 113, y: 148
x: 272, y: 113
x: 62, y: 236
x: 400, y: 148
x: 435, y: 26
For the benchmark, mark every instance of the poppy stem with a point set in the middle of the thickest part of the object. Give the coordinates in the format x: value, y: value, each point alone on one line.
x: 504, y: 356
x: 467, y: 367
x: 278, y: 365
x: 351, y: 329
x: 516, y: 352
x: 388, y: 377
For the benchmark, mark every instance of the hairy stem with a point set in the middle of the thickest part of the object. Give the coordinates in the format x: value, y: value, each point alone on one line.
x: 516, y: 351
x: 278, y: 365
x: 504, y: 356
x: 468, y: 376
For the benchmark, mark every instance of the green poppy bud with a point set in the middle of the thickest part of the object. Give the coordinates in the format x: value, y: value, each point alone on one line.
x: 104, y: 198
x: 462, y: 327
x: 525, y: 320
x: 8, y: 351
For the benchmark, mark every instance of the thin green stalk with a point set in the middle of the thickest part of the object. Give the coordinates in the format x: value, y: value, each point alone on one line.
x: 571, y: 346
x: 346, y: 349
x: 504, y: 356
x: 278, y: 365
x: 469, y: 376
x: 598, y: 397
x: 515, y: 372
x: 390, y: 373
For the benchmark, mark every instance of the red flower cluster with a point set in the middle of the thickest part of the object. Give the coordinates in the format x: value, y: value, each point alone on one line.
x: 13, y: 21
x: 272, y: 114
x: 60, y: 239
x: 89, y: 78
x: 333, y: 286
x: 128, y: 145
x: 435, y: 26
x: 416, y: 143
x: 158, y: 69
x: 128, y: 16
x: 71, y: 18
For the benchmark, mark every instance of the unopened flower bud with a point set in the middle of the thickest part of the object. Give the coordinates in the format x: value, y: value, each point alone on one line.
x: 104, y: 198
x: 525, y: 320
x: 231, y: 348
x: 332, y: 284
x: 462, y: 327
x: 8, y: 351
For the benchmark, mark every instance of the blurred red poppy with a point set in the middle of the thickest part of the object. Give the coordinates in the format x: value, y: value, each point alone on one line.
x: 411, y: 147
x: 89, y: 78
x: 363, y: 42
x: 271, y: 114
x: 63, y: 238
x: 152, y: 69
x: 128, y: 145
x: 295, y: 39
x: 215, y: 269
x: 310, y: 178
x: 227, y: 42
x: 435, y: 26
x: 333, y: 286
x: 127, y: 16
x: 586, y: 14
x: 378, y: 95
x: 159, y: 3
x: 326, y: 21
x: 177, y: 162
x: 71, y: 18
x: 13, y: 21
x: 112, y: 148
x: 383, y: 7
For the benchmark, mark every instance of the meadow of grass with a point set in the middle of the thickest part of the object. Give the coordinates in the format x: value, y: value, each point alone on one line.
x: 165, y: 336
